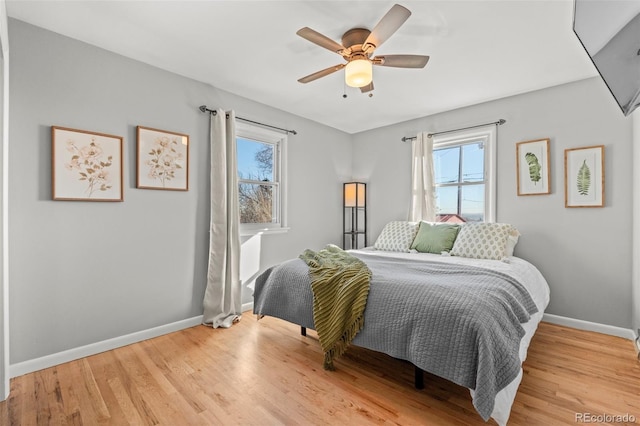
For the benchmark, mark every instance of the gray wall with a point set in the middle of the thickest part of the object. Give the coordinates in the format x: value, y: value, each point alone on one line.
x: 584, y: 253
x: 83, y: 272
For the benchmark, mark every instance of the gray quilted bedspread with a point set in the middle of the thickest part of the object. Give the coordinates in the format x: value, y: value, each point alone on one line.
x: 458, y: 322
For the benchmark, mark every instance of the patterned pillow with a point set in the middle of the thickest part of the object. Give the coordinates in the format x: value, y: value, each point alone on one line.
x: 397, y: 236
x: 482, y: 241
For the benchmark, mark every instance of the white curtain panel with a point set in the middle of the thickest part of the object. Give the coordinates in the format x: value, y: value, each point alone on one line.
x: 423, y: 196
x: 222, y: 297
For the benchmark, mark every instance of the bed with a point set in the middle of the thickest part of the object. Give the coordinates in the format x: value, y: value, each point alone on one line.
x: 467, y: 320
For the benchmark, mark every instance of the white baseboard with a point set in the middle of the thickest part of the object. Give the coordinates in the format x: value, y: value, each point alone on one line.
x: 626, y: 333
x: 47, y: 361
x: 247, y: 307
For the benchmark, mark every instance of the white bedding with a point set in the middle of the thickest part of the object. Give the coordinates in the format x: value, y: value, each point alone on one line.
x: 529, y: 276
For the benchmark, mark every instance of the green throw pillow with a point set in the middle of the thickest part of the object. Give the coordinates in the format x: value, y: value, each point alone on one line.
x: 435, y: 238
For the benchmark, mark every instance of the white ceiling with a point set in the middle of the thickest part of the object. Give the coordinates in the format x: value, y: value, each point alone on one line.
x: 480, y: 50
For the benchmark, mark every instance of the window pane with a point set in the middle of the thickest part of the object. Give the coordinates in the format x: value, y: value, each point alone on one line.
x: 256, y: 203
x: 473, y: 203
x: 471, y: 208
x: 461, y: 174
x: 446, y: 164
x: 473, y: 162
x: 255, y: 160
x: 447, y: 200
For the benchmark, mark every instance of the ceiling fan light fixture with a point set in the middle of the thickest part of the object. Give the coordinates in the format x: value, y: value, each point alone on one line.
x: 358, y: 73
x: 357, y: 48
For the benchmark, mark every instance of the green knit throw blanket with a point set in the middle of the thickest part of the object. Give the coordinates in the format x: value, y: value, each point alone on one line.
x: 340, y: 285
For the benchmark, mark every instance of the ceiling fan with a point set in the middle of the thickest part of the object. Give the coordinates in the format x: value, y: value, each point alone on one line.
x: 358, y: 45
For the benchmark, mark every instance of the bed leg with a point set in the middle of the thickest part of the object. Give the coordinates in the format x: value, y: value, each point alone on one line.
x: 418, y: 378
x: 303, y: 331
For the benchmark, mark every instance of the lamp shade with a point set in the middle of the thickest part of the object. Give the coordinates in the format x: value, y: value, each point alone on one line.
x: 354, y: 194
x: 358, y: 73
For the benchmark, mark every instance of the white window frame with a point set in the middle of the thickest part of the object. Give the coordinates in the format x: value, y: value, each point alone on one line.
x: 279, y: 141
x: 488, y: 138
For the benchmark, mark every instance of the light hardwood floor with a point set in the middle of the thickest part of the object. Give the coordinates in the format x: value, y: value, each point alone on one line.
x: 265, y: 373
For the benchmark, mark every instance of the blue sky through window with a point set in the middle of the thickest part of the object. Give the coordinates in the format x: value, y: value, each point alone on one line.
x: 449, y: 163
x: 248, y: 167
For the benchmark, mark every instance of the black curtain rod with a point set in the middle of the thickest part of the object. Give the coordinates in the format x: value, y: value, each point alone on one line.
x: 499, y: 123
x: 204, y: 108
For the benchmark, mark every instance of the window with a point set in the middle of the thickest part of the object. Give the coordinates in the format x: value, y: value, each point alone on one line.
x: 261, y: 179
x: 464, y: 172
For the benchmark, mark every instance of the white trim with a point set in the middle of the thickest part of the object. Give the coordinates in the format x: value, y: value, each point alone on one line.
x: 491, y: 190
x: 245, y: 232
x: 260, y: 134
x: 611, y: 330
x: 4, y: 279
x: 247, y: 307
x: 47, y: 361
x: 635, y: 225
x: 488, y: 137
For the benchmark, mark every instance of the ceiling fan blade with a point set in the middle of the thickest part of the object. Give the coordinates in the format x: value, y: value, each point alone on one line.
x: 322, y: 73
x: 367, y: 88
x: 388, y: 25
x: 401, y: 61
x: 320, y: 39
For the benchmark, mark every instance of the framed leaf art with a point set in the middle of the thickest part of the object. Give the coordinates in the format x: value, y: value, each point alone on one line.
x: 532, y: 164
x: 584, y: 177
x: 86, y: 166
x: 163, y: 160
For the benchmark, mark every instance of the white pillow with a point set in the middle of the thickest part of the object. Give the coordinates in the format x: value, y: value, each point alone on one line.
x: 397, y: 236
x: 512, y: 240
x: 480, y: 240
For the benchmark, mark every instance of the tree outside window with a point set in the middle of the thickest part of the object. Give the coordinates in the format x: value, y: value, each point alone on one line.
x: 256, y: 181
x: 262, y: 173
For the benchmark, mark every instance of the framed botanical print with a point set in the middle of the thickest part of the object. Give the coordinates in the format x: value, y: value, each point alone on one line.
x: 532, y: 165
x: 584, y: 177
x: 163, y: 160
x: 86, y: 166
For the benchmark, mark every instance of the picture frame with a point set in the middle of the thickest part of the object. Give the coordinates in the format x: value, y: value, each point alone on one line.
x: 584, y: 176
x: 533, y: 167
x: 86, y: 165
x: 163, y: 160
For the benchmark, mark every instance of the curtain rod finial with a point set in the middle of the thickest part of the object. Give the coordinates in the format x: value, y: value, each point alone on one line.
x: 203, y: 108
x: 502, y: 121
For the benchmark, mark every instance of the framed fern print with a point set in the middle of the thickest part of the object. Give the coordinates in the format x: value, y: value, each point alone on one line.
x: 584, y: 177
x: 532, y: 164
